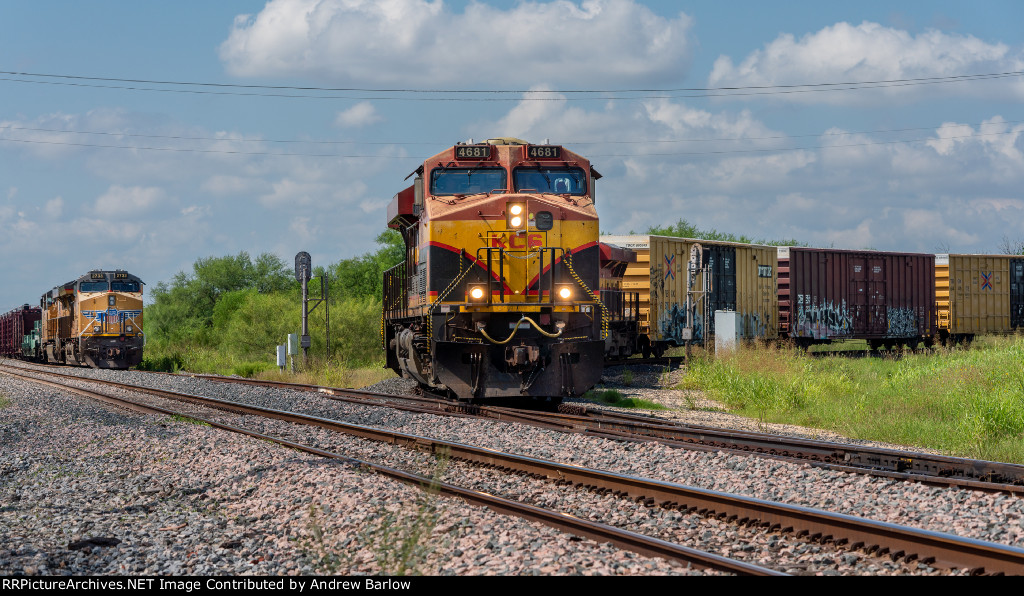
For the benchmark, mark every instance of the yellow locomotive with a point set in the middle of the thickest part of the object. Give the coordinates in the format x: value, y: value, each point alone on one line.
x: 498, y: 295
x: 94, y: 320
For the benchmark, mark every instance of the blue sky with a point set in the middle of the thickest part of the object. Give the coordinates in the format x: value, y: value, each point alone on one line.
x: 98, y: 172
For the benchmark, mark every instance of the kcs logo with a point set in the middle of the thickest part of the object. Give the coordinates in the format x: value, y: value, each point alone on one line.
x: 517, y: 241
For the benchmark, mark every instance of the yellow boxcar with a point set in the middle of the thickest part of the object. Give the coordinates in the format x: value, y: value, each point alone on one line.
x: 729, y: 276
x: 637, y: 277
x: 978, y: 294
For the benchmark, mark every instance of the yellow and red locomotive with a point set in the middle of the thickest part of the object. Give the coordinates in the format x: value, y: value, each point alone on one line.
x: 498, y: 295
x: 94, y: 320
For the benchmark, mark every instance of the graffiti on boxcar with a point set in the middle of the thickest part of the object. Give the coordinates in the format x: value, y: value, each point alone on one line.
x: 902, y: 322
x: 822, y: 321
x: 657, y: 282
x: 672, y: 323
x: 756, y: 325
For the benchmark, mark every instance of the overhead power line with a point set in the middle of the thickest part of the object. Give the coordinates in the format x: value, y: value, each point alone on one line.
x: 348, y: 156
x: 417, y: 94
x: 434, y: 143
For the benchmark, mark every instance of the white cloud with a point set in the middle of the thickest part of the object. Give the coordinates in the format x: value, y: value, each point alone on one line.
x: 303, y: 228
x: 54, y: 207
x: 416, y: 42
x: 120, y: 201
x: 292, y: 192
x: 223, y: 184
x: 196, y: 211
x: 372, y: 205
x: 871, y: 52
x: 361, y: 114
x: 727, y: 170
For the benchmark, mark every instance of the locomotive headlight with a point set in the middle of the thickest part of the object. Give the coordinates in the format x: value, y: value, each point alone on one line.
x: 95, y: 328
x: 515, y: 214
x: 563, y: 292
x: 477, y: 292
x: 129, y: 328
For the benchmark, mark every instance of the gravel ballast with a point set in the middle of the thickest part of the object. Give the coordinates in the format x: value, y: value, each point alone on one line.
x: 311, y: 536
x: 90, y: 489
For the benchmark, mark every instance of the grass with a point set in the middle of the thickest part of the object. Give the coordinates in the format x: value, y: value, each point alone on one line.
x: 614, y: 398
x: 4, y: 401
x: 200, y: 359
x: 962, y: 402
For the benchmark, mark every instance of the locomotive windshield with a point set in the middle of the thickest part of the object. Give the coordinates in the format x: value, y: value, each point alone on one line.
x: 466, y: 181
x: 560, y: 181
x: 92, y: 286
x: 124, y: 286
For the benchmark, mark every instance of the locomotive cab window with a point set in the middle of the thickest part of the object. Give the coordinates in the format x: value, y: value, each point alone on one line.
x: 93, y: 286
x: 467, y: 181
x: 125, y: 286
x: 555, y: 180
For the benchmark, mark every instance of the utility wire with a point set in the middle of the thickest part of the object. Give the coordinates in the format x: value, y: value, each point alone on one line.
x: 335, y: 155
x: 530, y: 95
x: 565, y: 143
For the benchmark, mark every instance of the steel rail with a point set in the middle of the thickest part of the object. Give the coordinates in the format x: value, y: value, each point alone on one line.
x: 940, y: 470
x: 908, y: 466
x: 625, y: 539
x: 935, y: 548
x: 917, y: 466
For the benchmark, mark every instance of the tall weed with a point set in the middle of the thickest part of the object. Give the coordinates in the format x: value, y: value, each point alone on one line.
x: 967, y: 402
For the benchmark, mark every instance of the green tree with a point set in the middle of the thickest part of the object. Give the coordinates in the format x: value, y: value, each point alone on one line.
x: 362, y: 276
x: 184, y: 308
x: 684, y: 229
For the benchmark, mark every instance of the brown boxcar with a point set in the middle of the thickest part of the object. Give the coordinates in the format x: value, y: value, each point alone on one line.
x: 886, y: 298
x: 978, y: 294
x: 14, y: 325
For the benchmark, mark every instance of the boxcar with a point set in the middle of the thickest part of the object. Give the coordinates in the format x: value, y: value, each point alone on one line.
x: 637, y: 275
x: 978, y: 294
x: 727, y: 276
x: 622, y: 305
x: 886, y: 298
x: 14, y: 326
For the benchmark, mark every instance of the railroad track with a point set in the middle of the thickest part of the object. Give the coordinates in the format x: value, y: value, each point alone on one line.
x: 625, y: 539
x: 897, y: 542
x: 938, y: 470
x: 670, y: 361
x: 932, y: 469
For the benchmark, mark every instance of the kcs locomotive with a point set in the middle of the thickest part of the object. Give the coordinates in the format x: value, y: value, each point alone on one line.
x: 498, y: 295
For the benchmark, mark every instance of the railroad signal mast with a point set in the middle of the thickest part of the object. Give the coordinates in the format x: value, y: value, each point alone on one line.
x: 303, y: 273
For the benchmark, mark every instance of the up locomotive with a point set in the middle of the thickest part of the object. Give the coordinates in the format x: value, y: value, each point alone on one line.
x: 94, y: 320
x: 498, y: 295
